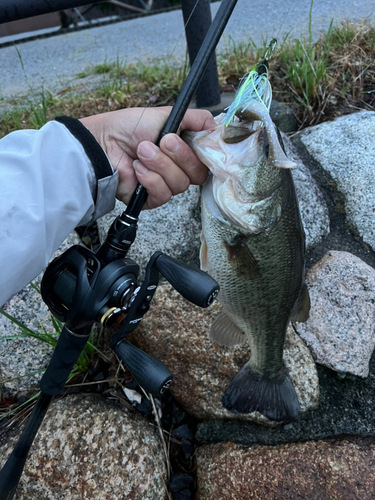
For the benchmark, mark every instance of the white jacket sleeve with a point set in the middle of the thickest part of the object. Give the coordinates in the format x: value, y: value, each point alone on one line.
x: 49, y: 184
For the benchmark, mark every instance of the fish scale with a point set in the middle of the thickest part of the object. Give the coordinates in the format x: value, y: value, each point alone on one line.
x: 265, y: 303
x: 253, y: 244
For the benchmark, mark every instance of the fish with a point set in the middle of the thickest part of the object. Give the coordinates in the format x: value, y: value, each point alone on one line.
x: 253, y: 245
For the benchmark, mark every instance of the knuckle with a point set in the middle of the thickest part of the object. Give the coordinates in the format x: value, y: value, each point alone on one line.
x: 200, y: 176
x: 185, y: 183
x: 165, y: 197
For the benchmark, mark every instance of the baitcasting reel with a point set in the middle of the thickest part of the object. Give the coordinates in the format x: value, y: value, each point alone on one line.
x: 80, y: 290
x: 81, y: 287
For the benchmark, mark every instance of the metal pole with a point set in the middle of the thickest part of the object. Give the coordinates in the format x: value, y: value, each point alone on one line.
x: 13, y: 10
x: 208, y: 91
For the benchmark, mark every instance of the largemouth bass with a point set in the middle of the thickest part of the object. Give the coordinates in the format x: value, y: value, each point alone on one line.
x: 253, y: 244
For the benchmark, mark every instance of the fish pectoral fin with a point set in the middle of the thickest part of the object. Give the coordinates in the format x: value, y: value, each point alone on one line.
x: 224, y: 332
x: 203, y: 253
x: 241, y: 258
x: 302, y: 307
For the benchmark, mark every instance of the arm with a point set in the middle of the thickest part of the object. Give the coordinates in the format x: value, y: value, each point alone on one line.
x: 48, y: 187
x: 67, y: 174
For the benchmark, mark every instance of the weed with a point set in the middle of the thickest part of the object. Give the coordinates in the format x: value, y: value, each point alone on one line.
x: 81, y: 366
x: 238, y: 59
x: 12, y: 119
x: 305, y: 65
x: 39, y: 109
x: 51, y: 338
x: 320, y: 80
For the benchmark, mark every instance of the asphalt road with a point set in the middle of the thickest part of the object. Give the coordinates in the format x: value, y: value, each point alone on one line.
x: 54, y: 62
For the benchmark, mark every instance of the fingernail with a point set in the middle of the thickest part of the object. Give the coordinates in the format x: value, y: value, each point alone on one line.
x: 137, y: 165
x: 172, y: 143
x: 146, y: 150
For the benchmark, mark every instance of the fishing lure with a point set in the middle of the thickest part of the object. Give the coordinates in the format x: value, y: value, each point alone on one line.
x: 253, y: 86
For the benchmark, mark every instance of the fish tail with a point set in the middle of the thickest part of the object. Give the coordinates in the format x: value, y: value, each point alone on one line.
x: 273, y: 397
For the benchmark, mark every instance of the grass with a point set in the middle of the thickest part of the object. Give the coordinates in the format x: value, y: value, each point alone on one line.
x: 320, y: 80
x: 9, y: 409
x: 121, y: 86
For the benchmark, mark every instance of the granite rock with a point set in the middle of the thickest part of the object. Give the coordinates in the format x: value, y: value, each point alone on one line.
x: 313, y: 208
x: 176, y: 332
x: 345, y: 149
x: 337, y: 469
x: 173, y: 228
x: 340, y: 331
x: 26, y: 355
x: 86, y: 448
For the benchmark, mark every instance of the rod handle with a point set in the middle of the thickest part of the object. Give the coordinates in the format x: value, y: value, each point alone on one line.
x: 68, y: 349
x: 11, y: 473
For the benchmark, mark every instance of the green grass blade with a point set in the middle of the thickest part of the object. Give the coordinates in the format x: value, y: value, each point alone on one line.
x: 18, y: 323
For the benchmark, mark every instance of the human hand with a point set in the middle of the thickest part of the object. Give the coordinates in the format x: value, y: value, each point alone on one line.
x: 128, y: 137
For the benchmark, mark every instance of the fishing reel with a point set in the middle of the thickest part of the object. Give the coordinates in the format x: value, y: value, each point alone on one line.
x: 79, y: 289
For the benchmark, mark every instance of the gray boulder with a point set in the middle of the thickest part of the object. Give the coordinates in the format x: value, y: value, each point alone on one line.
x: 345, y: 149
x: 22, y: 356
x: 173, y: 229
x: 341, y: 329
x: 87, y: 448
x: 313, y: 208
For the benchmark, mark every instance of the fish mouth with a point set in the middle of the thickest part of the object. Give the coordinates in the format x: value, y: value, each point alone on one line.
x: 257, y: 112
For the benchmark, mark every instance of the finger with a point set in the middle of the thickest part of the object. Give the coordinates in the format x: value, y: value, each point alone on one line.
x: 155, y: 160
x: 183, y: 156
x: 197, y: 120
x: 157, y: 189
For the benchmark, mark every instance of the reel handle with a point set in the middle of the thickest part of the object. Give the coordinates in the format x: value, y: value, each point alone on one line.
x: 195, y: 285
x: 149, y: 372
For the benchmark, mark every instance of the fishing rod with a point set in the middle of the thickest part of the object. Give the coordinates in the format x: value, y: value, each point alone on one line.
x: 81, y: 287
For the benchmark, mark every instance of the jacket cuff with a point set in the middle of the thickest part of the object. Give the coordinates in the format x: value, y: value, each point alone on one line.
x: 104, y: 190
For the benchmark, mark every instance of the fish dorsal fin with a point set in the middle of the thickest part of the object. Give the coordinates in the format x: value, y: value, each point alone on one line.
x: 302, y: 306
x: 241, y: 258
x: 224, y: 332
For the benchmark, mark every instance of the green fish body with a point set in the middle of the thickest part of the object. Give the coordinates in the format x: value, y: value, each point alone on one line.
x: 253, y: 245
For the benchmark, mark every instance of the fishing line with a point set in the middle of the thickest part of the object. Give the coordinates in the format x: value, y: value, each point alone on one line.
x: 148, y: 104
x: 286, y: 15
x: 171, y: 54
x: 254, y: 85
x: 158, y: 81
